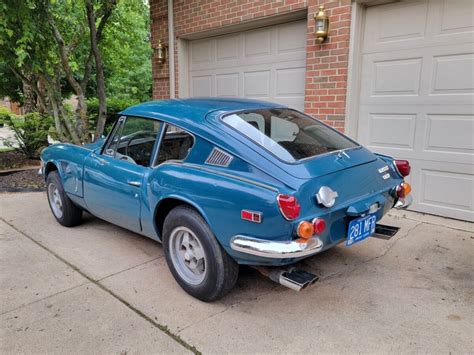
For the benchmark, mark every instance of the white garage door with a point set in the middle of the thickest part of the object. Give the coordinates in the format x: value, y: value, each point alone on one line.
x: 416, y: 97
x: 265, y: 64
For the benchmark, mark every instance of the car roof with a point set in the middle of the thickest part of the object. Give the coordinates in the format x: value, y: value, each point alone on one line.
x: 195, y: 109
x: 200, y: 116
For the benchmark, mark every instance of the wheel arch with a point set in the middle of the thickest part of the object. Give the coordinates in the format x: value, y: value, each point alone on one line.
x: 49, y: 167
x: 166, y: 204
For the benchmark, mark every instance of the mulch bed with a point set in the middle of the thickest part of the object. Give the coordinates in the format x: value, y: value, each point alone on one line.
x: 22, y: 181
x: 19, y: 180
x: 14, y: 159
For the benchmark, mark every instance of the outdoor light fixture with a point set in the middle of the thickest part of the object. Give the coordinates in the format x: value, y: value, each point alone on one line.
x: 160, y: 52
x: 322, y: 25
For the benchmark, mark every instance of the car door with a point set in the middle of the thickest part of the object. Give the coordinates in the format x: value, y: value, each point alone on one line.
x: 113, y: 176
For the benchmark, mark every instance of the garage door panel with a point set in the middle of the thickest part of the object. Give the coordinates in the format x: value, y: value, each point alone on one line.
x: 397, y: 77
x: 290, y: 82
x: 418, y: 24
x: 258, y: 42
x: 453, y: 17
x: 227, y: 85
x: 201, y: 85
x: 447, y: 191
x: 228, y: 48
x: 437, y: 76
x: 401, y: 22
x: 397, y: 130
x: 417, y: 95
x: 392, y: 130
x: 444, y: 190
x: 201, y: 52
x: 257, y: 83
x: 438, y: 138
x: 291, y: 38
x: 453, y: 74
x: 266, y: 64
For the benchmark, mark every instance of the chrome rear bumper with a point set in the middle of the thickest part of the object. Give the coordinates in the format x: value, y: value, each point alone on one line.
x: 276, y: 249
x: 403, y: 202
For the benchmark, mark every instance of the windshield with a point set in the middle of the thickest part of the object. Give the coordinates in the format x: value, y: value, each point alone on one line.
x: 288, y: 134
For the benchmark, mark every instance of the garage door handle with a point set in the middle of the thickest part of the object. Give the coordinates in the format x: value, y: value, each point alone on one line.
x: 134, y: 183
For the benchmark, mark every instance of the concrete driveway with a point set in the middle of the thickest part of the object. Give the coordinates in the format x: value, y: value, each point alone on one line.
x: 101, y: 289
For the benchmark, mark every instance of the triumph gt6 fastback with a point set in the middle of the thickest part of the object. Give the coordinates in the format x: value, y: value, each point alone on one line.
x: 223, y: 182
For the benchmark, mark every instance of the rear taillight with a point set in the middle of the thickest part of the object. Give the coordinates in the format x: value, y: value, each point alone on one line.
x: 403, y: 167
x: 319, y: 225
x: 289, y: 206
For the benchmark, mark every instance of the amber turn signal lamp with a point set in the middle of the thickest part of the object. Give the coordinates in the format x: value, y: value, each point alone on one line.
x: 403, y: 190
x: 305, y: 230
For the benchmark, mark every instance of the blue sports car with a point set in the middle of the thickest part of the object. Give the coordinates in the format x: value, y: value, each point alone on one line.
x: 223, y: 182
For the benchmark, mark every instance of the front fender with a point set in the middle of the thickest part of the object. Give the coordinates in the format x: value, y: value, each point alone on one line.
x: 69, y: 161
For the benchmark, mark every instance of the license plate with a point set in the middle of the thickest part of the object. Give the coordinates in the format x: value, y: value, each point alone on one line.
x: 360, y: 228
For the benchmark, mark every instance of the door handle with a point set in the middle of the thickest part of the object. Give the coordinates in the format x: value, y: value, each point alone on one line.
x: 134, y: 183
x: 102, y: 161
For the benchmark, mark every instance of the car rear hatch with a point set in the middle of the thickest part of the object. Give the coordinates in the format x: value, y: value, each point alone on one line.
x: 361, y: 181
x: 330, y: 163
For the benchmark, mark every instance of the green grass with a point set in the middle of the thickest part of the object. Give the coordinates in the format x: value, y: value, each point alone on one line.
x: 6, y: 149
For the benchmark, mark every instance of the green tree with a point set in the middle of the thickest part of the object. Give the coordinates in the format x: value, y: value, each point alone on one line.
x: 51, y: 46
x: 127, y: 52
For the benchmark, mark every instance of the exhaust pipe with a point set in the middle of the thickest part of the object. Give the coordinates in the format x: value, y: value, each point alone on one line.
x: 293, y: 278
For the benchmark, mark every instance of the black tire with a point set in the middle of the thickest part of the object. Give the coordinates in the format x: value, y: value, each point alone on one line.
x: 221, y: 271
x: 71, y: 214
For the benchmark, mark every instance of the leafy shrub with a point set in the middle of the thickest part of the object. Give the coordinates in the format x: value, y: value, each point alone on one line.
x: 114, y: 106
x: 31, y: 132
x: 4, y: 115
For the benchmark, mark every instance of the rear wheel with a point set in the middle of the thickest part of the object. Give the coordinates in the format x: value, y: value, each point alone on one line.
x: 63, y: 209
x: 196, y: 260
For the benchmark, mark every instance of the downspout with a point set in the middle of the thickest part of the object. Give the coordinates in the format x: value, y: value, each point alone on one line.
x: 171, y: 49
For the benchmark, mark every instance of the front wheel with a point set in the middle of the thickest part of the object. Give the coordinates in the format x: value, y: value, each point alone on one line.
x: 63, y: 209
x: 196, y: 260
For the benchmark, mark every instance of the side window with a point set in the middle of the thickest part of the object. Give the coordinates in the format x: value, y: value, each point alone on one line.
x: 133, y: 140
x: 175, y: 145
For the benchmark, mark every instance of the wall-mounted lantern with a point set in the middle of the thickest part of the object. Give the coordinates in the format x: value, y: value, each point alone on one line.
x: 160, y: 52
x: 321, y: 21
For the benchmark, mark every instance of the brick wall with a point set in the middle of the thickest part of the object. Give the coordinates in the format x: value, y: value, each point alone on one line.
x: 326, y: 64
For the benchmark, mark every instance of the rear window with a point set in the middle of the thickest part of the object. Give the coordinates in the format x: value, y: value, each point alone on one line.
x: 288, y: 134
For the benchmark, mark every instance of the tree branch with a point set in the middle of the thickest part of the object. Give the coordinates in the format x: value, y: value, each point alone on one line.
x: 104, y: 15
x: 64, y: 56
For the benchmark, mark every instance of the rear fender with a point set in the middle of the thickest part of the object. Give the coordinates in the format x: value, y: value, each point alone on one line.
x: 220, y: 200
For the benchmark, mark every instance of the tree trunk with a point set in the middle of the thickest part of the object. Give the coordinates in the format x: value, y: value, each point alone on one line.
x: 99, y: 67
x: 29, y: 98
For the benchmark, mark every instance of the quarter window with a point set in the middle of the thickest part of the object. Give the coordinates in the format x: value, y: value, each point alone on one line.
x: 175, y: 145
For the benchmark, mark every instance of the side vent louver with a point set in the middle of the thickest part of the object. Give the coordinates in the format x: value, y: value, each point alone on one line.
x: 219, y: 158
